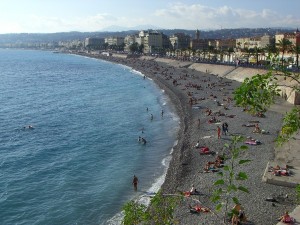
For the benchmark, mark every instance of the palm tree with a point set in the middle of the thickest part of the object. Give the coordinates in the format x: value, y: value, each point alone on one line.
x: 210, y: 50
x: 204, y: 51
x: 296, y: 50
x: 283, y: 45
x: 257, y: 51
x: 230, y: 51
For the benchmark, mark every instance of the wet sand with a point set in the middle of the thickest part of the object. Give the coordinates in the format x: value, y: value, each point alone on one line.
x: 192, y: 92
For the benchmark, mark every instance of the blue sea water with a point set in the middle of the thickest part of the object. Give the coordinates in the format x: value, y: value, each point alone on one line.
x: 76, y: 165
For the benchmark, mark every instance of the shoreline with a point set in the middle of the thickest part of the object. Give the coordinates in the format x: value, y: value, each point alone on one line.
x: 186, y: 166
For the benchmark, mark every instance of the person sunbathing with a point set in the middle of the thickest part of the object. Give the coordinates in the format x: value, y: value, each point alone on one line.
x: 210, y: 167
x: 281, y: 171
x: 204, y: 150
x: 286, y: 218
x: 198, y: 209
x: 208, y: 112
x: 248, y: 125
x: 219, y: 159
x: 257, y: 129
x: 213, y: 120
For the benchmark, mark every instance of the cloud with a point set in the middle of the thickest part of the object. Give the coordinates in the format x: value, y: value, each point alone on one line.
x: 175, y: 15
x: 180, y: 15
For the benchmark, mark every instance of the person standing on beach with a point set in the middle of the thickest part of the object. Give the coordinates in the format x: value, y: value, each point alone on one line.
x: 135, y: 182
x: 219, y: 132
x: 162, y: 113
x: 226, y: 128
x: 199, y: 123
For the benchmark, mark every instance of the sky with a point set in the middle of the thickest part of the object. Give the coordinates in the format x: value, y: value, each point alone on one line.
x: 50, y: 16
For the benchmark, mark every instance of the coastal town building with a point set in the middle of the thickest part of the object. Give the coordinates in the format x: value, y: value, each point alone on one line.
x: 92, y: 42
x: 266, y: 40
x: 152, y: 41
x: 225, y: 44
x: 128, y: 41
x: 180, y: 41
x: 248, y: 42
x: 197, y: 43
x: 166, y: 43
x: 114, y: 40
x: 293, y: 37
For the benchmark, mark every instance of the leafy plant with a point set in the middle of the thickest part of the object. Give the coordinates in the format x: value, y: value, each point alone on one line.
x: 298, y: 193
x: 160, y: 211
x: 162, y: 208
x: 291, y: 124
x: 229, y: 183
x: 134, y: 212
x: 256, y: 94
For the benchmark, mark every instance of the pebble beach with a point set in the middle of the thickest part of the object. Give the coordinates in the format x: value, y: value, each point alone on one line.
x: 193, y: 92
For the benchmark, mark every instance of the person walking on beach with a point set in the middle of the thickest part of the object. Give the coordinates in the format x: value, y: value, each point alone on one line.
x: 199, y: 123
x: 225, y: 128
x: 162, y: 113
x: 135, y: 182
x: 219, y: 132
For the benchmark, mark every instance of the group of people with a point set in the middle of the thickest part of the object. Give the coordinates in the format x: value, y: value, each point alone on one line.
x: 212, y: 166
x: 280, y: 171
x: 224, y: 129
x: 286, y: 218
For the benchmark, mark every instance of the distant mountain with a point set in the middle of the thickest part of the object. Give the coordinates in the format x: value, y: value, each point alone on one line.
x: 135, y: 28
x: 69, y: 36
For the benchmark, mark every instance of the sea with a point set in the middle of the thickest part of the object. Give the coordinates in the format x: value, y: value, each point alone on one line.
x: 69, y: 138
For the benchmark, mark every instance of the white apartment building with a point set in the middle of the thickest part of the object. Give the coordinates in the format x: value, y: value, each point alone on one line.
x: 94, y: 42
x: 114, y: 41
x: 152, y: 40
x: 249, y: 42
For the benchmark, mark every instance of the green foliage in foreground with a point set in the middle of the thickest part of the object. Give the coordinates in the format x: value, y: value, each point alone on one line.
x: 134, y: 213
x: 298, y: 193
x: 291, y: 124
x: 256, y: 94
x: 230, y: 182
x: 161, y: 210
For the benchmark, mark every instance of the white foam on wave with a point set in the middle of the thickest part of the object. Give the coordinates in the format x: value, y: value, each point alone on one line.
x: 115, y: 220
x: 137, y: 72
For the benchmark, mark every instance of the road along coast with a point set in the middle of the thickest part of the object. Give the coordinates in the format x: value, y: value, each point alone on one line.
x: 196, y: 94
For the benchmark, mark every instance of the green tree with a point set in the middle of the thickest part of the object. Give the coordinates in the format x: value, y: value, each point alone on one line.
x: 258, y: 92
x: 257, y: 52
x: 105, y: 45
x: 134, y: 212
x: 162, y: 208
x: 296, y: 50
x: 229, y: 52
x: 283, y: 45
x: 141, y: 48
x: 298, y: 193
x: 134, y: 47
x: 231, y: 178
x: 160, y: 211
